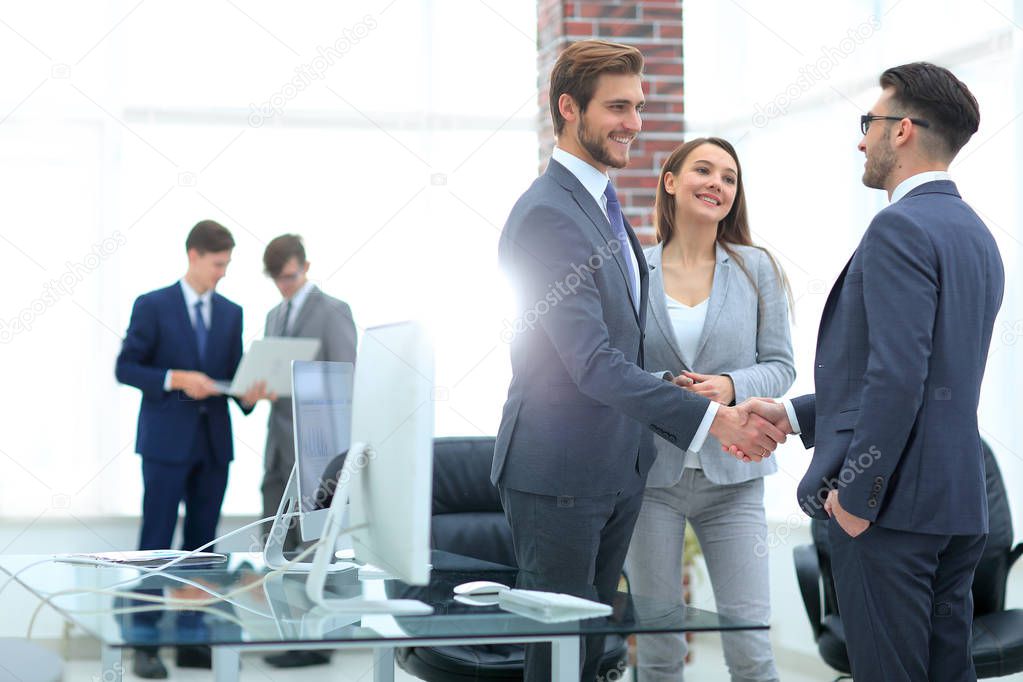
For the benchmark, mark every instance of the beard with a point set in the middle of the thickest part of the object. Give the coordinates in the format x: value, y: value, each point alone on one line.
x: 596, y: 147
x: 880, y: 164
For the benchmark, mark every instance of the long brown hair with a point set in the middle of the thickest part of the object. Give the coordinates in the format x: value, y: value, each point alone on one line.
x: 733, y: 228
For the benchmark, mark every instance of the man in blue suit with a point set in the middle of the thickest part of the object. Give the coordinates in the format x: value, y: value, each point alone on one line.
x: 901, y: 351
x: 181, y: 339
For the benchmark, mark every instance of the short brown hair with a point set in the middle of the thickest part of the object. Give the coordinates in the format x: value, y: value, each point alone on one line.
x: 280, y: 250
x: 934, y: 94
x: 209, y: 236
x: 581, y: 64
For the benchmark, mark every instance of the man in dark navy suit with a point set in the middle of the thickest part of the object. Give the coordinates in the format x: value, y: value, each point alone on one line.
x: 901, y: 351
x: 181, y: 339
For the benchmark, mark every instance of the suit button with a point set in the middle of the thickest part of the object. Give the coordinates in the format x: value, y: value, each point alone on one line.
x: 820, y: 365
x: 877, y: 487
x: 872, y: 502
x: 879, y: 480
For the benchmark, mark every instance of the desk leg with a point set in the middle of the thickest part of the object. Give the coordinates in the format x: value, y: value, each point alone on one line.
x: 111, y: 663
x: 383, y: 664
x: 564, y: 659
x: 227, y: 663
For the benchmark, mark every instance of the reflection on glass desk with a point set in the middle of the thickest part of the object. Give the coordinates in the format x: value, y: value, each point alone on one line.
x: 278, y: 615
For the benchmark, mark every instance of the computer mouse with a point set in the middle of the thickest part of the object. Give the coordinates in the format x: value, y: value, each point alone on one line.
x: 478, y: 588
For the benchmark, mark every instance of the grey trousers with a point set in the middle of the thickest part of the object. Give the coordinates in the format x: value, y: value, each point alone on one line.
x: 730, y: 523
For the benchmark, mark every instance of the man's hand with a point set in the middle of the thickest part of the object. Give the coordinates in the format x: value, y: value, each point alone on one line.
x: 716, y: 387
x: 852, y: 525
x: 750, y: 434
x: 257, y: 392
x: 770, y: 410
x: 195, y: 385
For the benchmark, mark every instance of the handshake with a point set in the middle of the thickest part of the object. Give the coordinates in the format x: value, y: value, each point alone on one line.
x: 751, y: 430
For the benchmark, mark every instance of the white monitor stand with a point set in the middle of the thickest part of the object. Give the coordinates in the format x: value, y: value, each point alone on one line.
x: 359, y: 452
x: 289, y: 508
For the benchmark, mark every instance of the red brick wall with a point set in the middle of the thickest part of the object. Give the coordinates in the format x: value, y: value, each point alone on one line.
x: 653, y: 26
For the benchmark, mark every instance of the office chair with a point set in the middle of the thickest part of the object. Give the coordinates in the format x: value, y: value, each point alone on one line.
x: 997, y: 632
x: 469, y: 531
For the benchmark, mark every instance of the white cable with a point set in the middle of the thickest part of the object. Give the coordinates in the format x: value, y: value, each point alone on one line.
x: 186, y: 604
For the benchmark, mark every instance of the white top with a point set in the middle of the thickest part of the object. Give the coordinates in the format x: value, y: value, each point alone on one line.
x: 914, y: 181
x: 595, y: 183
x: 687, y: 323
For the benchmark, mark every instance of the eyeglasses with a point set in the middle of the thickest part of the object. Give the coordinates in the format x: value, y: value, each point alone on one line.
x: 865, y: 120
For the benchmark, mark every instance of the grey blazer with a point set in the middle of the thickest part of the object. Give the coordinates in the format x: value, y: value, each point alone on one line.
x: 321, y: 317
x: 744, y: 336
x: 580, y: 407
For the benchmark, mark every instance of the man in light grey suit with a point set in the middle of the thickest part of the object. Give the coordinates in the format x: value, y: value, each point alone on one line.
x: 304, y: 312
x: 574, y: 445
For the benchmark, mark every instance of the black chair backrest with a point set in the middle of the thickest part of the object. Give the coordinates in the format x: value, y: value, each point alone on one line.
x: 467, y: 515
x: 993, y: 569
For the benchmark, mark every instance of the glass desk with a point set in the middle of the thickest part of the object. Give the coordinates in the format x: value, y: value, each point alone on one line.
x: 277, y: 614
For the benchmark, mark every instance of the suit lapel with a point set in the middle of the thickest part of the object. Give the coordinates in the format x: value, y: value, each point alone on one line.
x: 217, y: 321
x: 659, y: 309
x: 304, y: 312
x: 829, y: 305
x: 718, y: 293
x: 589, y: 206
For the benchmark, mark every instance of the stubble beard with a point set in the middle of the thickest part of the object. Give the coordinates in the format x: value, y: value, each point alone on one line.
x: 595, y: 147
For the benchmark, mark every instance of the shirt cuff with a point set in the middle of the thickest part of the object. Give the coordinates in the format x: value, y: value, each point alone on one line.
x: 791, y: 412
x: 167, y: 381
x: 704, y: 430
x: 664, y: 375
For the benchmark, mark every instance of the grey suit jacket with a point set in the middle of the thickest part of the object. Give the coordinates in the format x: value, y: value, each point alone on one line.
x: 745, y: 336
x: 321, y: 317
x: 580, y: 406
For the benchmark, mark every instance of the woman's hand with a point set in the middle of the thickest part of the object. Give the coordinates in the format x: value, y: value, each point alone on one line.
x: 716, y: 387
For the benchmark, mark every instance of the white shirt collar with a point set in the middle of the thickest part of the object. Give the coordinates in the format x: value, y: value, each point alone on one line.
x: 192, y: 297
x: 299, y: 298
x: 914, y: 181
x: 592, y: 179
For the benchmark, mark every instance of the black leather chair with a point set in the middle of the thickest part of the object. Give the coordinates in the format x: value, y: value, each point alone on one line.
x: 469, y: 532
x: 997, y: 632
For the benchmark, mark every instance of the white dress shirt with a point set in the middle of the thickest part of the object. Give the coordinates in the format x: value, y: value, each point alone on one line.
x: 191, y: 298
x: 901, y: 190
x: 687, y: 323
x: 595, y: 183
x: 296, y: 305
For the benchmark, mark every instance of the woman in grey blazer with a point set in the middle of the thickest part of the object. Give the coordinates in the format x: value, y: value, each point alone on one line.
x: 718, y: 314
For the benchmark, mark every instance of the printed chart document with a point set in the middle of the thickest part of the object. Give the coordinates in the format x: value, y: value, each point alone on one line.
x: 270, y: 360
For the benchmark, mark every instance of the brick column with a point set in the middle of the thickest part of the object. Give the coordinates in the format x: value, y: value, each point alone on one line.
x: 653, y: 26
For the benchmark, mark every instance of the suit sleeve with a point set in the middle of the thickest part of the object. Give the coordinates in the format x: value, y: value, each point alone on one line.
x: 236, y: 358
x: 900, y: 297
x: 805, y: 407
x: 339, y: 337
x: 134, y: 363
x: 556, y: 251
x: 774, y: 370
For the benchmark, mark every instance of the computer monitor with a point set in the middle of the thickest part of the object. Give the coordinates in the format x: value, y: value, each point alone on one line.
x: 388, y: 473
x: 322, y: 416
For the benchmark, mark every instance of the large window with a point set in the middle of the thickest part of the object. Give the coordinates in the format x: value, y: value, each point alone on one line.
x: 787, y: 82
x: 394, y: 135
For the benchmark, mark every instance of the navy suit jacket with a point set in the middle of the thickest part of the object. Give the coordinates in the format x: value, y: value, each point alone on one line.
x: 901, y: 351
x: 160, y: 337
x: 580, y: 408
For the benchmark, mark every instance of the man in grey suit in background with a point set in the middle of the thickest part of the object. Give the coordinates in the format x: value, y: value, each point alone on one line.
x: 304, y: 312
x: 574, y: 445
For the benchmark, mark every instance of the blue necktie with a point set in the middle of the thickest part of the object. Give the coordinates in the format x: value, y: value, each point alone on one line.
x: 614, y: 214
x: 201, y: 333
